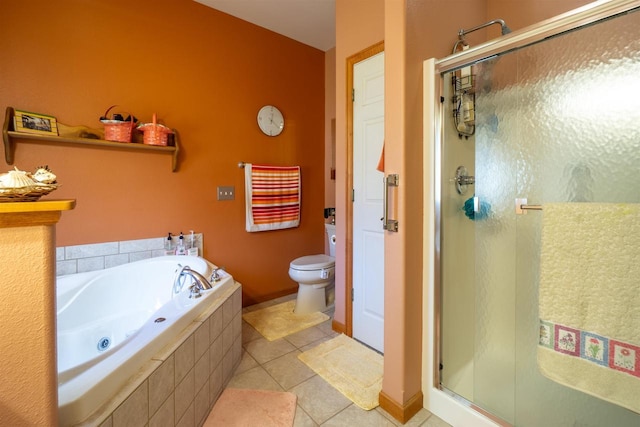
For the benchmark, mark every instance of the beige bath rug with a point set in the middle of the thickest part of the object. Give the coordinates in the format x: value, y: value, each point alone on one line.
x: 350, y: 367
x: 250, y: 408
x: 279, y: 320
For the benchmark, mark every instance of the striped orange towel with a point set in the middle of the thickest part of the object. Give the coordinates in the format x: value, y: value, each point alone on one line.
x: 272, y: 197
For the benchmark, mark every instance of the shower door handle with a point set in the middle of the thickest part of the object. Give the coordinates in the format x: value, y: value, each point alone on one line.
x: 391, y: 180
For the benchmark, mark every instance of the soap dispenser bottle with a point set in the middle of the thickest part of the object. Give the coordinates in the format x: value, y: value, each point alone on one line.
x: 181, y: 249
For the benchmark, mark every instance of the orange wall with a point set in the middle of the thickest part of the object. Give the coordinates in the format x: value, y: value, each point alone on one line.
x: 204, y: 73
x: 330, y: 115
x: 330, y: 132
x: 359, y: 24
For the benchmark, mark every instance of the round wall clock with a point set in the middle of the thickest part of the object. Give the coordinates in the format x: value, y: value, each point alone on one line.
x: 270, y: 120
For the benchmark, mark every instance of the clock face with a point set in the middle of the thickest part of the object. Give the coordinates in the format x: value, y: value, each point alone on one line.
x: 270, y: 120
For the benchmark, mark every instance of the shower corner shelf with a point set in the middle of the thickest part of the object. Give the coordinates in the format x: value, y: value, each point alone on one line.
x: 464, y: 84
x: 10, y: 138
x: 464, y: 100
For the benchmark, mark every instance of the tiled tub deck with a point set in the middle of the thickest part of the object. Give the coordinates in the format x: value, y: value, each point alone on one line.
x: 180, y: 385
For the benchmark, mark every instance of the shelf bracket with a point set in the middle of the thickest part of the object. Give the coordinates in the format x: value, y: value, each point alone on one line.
x: 9, y: 146
x: 174, y: 158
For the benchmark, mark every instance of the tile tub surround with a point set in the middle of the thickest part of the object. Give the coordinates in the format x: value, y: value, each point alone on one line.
x: 98, y: 256
x: 180, y: 385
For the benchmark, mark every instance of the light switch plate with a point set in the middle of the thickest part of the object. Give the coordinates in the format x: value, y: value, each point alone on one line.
x: 226, y: 192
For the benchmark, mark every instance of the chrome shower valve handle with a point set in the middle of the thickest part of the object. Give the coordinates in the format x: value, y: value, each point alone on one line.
x: 462, y: 180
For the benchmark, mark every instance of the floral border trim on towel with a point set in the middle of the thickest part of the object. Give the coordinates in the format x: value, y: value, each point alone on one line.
x: 592, y: 347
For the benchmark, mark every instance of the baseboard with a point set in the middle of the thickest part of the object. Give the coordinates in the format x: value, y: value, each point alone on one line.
x: 248, y: 301
x: 338, y: 327
x: 402, y: 413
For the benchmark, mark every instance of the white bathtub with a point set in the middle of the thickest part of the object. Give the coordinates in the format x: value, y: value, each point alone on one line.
x: 108, y: 326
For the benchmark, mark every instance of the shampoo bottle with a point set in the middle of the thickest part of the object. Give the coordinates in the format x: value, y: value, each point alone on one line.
x: 193, y: 249
x: 181, y: 249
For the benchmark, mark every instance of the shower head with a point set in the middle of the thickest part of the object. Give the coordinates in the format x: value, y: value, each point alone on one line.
x: 504, y: 28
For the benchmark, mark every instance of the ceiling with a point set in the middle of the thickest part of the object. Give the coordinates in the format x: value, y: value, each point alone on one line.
x: 311, y: 22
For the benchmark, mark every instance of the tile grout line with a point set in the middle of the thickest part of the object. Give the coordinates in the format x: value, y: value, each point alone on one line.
x: 324, y: 335
x: 296, y: 348
x: 299, y: 351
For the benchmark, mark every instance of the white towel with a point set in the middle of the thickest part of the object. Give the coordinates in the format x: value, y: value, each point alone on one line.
x: 590, y: 299
x: 272, y: 197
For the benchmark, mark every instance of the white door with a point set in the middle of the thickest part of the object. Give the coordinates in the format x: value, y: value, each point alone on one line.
x: 368, y: 235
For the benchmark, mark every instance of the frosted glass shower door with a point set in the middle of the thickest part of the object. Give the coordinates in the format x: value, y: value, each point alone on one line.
x: 498, y: 169
x: 556, y: 121
x: 479, y: 249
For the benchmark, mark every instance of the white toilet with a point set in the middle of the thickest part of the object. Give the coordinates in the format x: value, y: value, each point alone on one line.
x: 313, y: 274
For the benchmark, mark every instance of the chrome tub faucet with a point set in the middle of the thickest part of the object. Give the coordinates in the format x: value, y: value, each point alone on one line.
x: 198, y: 281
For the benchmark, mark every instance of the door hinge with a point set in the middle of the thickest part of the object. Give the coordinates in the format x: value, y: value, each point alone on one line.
x: 353, y: 195
x: 353, y: 95
x: 442, y: 99
x: 353, y: 294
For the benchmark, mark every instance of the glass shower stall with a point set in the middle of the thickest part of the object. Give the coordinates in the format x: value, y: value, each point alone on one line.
x: 553, y: 119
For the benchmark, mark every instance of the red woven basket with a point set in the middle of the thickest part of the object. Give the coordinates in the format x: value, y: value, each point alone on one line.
x: 154, y: 133
x: 117, y: 130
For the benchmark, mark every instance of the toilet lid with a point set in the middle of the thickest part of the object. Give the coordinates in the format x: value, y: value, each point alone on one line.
x: 313, y: 262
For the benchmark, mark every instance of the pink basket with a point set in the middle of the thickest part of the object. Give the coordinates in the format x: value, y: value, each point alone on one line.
x: 155, y: 133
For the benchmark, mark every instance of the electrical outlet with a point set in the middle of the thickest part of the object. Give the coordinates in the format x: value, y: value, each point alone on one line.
x: 226, y: 193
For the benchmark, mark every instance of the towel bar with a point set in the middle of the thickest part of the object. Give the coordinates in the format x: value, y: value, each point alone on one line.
x: 241, y: 165
x: 522, y: 207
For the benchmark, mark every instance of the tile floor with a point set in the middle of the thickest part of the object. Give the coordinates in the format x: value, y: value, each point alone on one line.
x: 274, y: 365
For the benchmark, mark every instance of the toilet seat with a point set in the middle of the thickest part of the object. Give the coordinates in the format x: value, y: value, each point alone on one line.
x: 312, y: 262
x: 313, y: 274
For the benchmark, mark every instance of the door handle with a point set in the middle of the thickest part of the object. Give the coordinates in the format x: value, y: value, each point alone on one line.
x: 391, y: 180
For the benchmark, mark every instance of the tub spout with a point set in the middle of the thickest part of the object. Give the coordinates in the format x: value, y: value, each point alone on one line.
x: 197, y: 279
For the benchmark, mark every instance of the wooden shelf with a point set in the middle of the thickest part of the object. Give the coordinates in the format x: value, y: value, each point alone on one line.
x: 11, y: 137
x: 38, y: 206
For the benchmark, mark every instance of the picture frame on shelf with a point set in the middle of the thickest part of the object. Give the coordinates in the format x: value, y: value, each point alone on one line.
x: 34, y: 123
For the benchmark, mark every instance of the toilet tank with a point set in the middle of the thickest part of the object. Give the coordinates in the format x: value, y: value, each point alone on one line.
x: 331, y: 236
